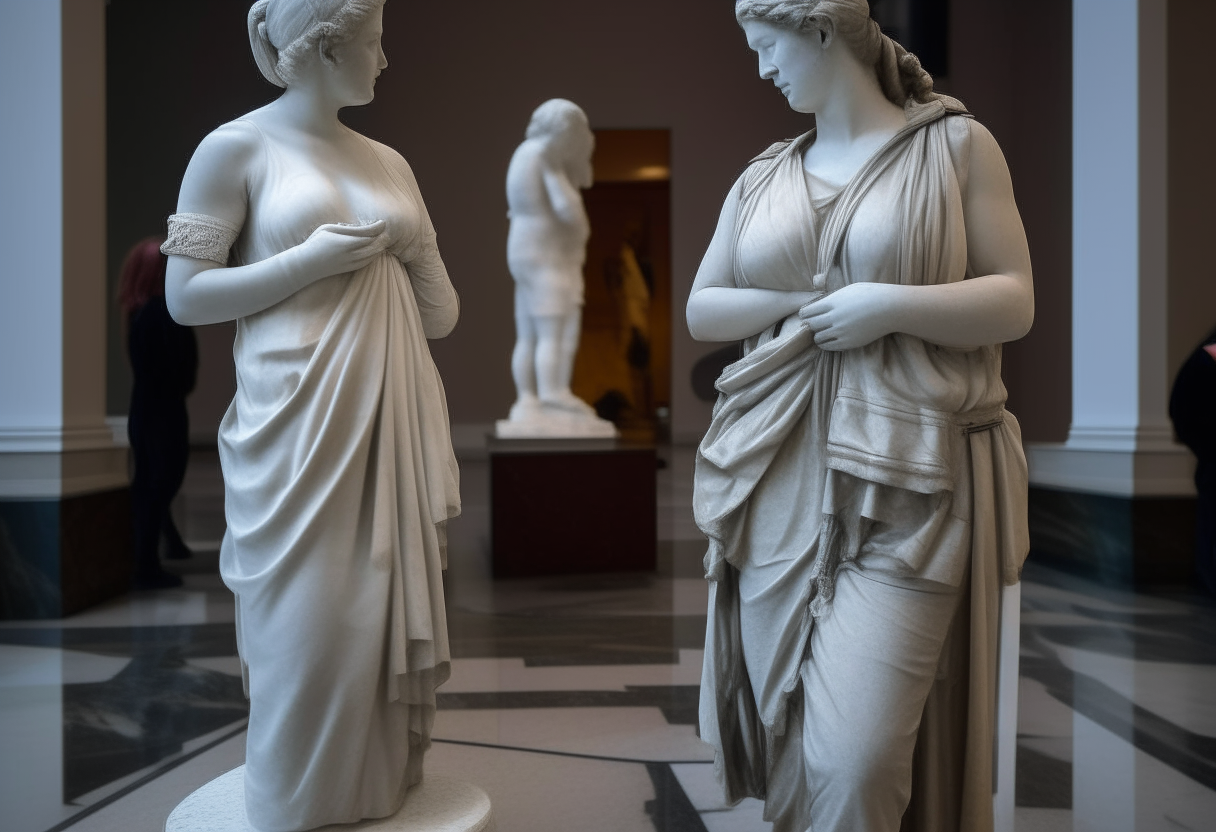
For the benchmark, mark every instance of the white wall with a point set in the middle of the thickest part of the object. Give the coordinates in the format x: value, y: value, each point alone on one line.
x: 31, y: 218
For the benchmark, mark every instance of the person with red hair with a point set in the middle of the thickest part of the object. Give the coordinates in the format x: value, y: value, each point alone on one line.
x: 164, y: 362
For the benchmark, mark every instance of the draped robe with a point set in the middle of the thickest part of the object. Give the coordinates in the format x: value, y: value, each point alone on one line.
x: 339, y: 478
x: 898, y: 455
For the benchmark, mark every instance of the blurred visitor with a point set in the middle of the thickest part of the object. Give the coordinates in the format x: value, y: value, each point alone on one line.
x: 1193, y: 411
x: 164, y: 362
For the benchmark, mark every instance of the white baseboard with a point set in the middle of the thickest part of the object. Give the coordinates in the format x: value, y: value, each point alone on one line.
x: 1162, y: 470
x: 53, y: 476
x: 118, y: 430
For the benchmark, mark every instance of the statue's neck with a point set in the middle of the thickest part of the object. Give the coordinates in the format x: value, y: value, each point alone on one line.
x: 306, y: 110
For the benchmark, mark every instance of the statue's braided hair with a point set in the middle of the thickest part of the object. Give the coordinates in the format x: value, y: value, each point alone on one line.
x: 284, y: 32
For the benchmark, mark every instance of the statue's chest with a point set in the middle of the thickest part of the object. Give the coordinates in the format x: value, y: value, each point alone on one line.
x: 295, y: 195
x: 872, y: 236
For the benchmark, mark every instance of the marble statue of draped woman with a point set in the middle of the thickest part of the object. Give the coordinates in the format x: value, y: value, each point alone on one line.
x: 338, y: 468
x: 861, y: 484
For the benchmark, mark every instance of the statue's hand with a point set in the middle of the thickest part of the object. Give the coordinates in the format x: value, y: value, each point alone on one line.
x: 851, y: 317
x: 339, y: 249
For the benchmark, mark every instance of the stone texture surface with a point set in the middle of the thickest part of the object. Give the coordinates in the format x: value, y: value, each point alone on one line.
x: 437, y: 804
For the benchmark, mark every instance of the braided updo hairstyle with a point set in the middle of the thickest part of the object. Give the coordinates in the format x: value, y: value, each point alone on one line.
x: 284, y: 33
x: 899, y: 71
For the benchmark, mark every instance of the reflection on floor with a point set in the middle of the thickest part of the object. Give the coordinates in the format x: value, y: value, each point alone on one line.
x: 573, y: 700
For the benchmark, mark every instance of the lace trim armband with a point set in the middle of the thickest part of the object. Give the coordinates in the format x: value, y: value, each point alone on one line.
x: 200, y: 236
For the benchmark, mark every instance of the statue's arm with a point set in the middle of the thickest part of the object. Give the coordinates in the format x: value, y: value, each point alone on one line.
x: 992, y: 308
x: 438, y: 303
x: 564, y: 198
x: 718, y: 310
x: 216, y: 184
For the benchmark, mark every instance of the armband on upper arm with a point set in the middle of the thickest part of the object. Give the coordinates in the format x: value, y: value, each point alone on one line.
x: 201, y: 236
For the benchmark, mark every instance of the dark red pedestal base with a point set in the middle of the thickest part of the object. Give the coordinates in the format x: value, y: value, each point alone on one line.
x: 566, y: 507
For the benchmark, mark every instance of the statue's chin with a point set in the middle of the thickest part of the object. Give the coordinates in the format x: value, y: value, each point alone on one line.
x: 359, y: 99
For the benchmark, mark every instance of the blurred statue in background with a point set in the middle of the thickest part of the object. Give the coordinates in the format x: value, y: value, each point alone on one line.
x: 546, y: 248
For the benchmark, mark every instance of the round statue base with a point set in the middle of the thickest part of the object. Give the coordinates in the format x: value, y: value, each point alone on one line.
x: 558, y: 427
x: 437, y: 804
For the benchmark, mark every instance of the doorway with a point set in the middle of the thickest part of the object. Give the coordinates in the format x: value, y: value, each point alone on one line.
x: 623, y: 366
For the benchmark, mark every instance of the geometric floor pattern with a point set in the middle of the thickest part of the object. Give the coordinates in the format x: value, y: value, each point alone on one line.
x: 573, y: 700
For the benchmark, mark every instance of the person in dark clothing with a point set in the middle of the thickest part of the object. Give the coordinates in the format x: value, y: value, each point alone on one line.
x: 164, y: 361
x: 1193, y: 411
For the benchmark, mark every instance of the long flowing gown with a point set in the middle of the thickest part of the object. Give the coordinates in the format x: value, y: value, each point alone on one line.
x: 339, y: 477
x: 863, y: 509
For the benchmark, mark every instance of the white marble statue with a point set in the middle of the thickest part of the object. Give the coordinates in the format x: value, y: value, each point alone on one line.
x: 546, y: 248
x: 338, y: 467
x: 861, y: 484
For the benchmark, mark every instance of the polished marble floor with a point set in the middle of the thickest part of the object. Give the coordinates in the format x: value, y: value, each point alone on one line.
x: 573, y: 700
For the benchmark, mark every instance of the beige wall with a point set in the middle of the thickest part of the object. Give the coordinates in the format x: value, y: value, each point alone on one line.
x: 683, y: 66
x: 460, y: 86
x: 463, y: 79
x: 84, y: 213
x: 1011, y: 64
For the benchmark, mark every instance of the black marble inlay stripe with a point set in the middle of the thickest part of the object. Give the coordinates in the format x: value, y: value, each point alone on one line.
x: 671, y: 810
x: 1201, y: 603
x: 677, y: 702
x: 190, y: 640
x: 1184, y: 638
x: 142, y: 716
x: 1189, y: 753
x: 145, y: 780
x: 572, y: 754
x: 1136, y: 634
x: 563, y: 640
x: 1042, y: 782
x: 1177, y: 645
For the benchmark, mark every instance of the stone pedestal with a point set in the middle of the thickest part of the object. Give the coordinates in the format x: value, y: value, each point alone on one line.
x: 564, y: 507
x: 437, y: 804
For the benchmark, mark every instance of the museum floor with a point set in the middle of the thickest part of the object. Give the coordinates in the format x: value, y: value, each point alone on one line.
x: 573, y: 700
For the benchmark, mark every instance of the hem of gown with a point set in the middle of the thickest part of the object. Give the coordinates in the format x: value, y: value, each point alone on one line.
x: 418, y: 746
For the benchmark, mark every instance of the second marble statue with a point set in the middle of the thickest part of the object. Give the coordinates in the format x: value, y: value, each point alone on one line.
x: 862, y: 486
x: 546, y: 248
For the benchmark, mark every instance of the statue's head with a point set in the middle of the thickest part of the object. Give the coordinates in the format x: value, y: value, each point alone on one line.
x: 847, y: 23
x: 289, y: 35
x: 564, y: 127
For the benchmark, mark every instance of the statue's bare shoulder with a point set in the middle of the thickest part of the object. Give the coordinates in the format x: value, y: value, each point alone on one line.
x: 977, y: 158
x: 218, y: 176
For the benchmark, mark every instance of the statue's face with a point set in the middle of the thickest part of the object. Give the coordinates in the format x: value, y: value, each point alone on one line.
x: 571, y: 148
x: 580, y: 143
x: 795, y: 62
x: 586, y: 146
x: 359, y: 60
